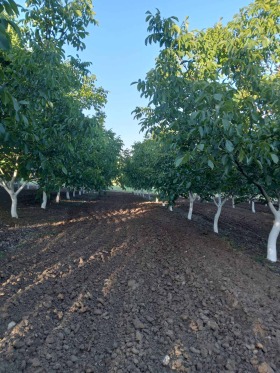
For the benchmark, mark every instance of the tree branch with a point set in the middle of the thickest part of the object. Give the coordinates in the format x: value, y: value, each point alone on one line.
x: 21, y: 187
x: 257, y: 184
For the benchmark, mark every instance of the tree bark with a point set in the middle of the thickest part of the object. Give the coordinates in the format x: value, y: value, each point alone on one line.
x: 44, y: 202
x: 273, y: 235
x: 14, y: 205
x: 219, y: 203
x: 57, y: 199
x: 192, y: 198
x: 9, y: 186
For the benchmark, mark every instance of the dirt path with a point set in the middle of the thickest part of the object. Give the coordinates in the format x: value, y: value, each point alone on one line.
x: 119, y: 284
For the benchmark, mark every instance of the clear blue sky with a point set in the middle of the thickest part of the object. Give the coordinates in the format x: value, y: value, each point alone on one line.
x: 119, y: 56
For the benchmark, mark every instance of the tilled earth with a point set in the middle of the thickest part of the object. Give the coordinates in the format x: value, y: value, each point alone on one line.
x: 122, y: 285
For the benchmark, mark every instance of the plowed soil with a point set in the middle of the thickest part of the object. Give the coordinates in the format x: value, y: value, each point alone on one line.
x: 120, y: 284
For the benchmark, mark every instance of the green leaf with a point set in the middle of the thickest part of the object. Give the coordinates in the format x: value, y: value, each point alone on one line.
x: 218, y: 96
x: 210, y: 164
x: 194, y: 114
x: 229, y: 146
x: 274, y: 157
x: 16, y: 104
x: 14, y: 6
x: 182, y: 159
x: 64, y: 170
x: 78, y: 13
x: 179, y: 160
x: 260, y: 164
x: 226, y: 123
x: 5, y: 43
x: 200, y: 147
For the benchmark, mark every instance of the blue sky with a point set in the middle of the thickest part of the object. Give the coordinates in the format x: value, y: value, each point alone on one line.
x: 119, y: 56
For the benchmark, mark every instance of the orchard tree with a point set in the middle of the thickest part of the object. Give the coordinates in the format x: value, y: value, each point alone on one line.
x: 217, y: 90
x: 44, y: 95
x: 139, y: 172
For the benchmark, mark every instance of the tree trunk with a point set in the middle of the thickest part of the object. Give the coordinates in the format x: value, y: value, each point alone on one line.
x: 216, y: 219
x: 273, y: 235
x: 253, y: 207
x: 9, y: 186
x: 163, y: 204
x: 44, y: 202
x: 156, y: 199
x: 67, y: 194
x: 14, y: 205
x: 57, y: 199
x: 80, y: 192
x: 74, y: 193
x: 192, y: 199
x: 170, y: 208
x: 219, y: 205
x: 233, y: 202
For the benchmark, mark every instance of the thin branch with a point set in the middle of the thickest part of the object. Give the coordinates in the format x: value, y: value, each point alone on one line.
x: 20, y: 188
x: 214, y: 200
x: 258, y: 185
x: 5, y: 186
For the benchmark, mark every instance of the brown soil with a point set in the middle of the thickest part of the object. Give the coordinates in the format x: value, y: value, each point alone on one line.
x: 117, y: 284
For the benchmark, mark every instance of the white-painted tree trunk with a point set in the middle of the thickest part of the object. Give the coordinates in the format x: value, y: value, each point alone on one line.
x: 192, y: 198
x: 253, y: 207
x: 170, y: 208
x: 74, y: 193
x: 57, y: 199
x: 67, y: 194
x: 219, y: 203
x: 9, y: 186
x: 45, y: 199
x: 156, y: 200
x: 233, y: 202
x: 273, y: 235
x: 80, y: 192
x: 14, y: 205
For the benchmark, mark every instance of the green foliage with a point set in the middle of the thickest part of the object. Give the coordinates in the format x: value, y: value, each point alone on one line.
x: 214, y: 94
x: 62, y: 22
x: 44, y: 134
x: 8, y: 8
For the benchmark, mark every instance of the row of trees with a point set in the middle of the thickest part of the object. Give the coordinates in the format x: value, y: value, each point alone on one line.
x: 44, y: 134
x: 214, y: 104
